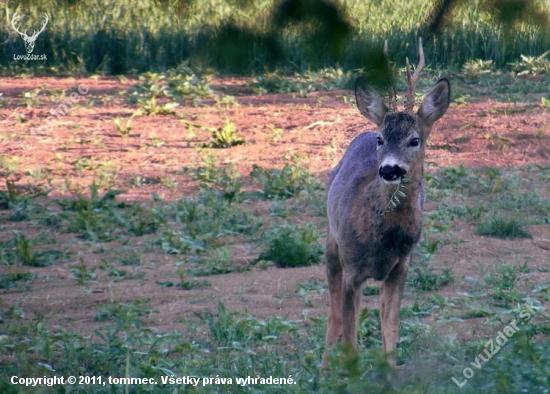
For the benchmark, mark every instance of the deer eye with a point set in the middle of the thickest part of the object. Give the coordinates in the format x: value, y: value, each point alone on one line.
x: 379, y: 141
x: 415, y: 142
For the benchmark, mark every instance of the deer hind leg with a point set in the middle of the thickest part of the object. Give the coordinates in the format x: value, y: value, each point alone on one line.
x: 335, y: 281
x: 391, y: 293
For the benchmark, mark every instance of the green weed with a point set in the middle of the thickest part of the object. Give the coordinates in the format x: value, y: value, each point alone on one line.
x: 534, y: 65
x: 226, y: 136
x: 92, y: 218
x: 23, y: 250
x: 123, y: 130
x: 83, y: 276
x: 149, y: 107
x: 8, y: 281
x: 8, y: 165
x: 173, y: 242
x: 226, y: 178
x: 502, y: 227
x: 235, y: 331
x: 425, y: 278
x: 30, y: 99
x: 291, y: 246
x: 305, y: 289
x: 23, y: 205
x: 215, y: 263
x: 287, y: 182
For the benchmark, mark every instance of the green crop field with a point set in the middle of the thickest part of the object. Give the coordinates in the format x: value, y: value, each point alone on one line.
x: 165, y: 232
x: 243, y: 36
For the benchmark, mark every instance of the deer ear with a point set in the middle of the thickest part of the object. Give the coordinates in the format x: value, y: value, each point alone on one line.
x: 369, y: 102
x: 436, y: 102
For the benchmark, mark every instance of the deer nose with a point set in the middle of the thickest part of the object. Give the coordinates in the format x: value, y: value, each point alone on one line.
x: 391, y: 173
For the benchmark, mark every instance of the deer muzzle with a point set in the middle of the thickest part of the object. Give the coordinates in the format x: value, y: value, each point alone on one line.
x: 391, y: 172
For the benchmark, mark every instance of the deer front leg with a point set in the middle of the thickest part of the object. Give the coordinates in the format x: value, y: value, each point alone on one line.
x: 350, y: 310
x: 391, y: 293
x: 335, y: 284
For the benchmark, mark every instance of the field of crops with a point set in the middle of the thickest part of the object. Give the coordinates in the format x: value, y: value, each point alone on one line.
x: 243, y: 36
x: 162, y: 199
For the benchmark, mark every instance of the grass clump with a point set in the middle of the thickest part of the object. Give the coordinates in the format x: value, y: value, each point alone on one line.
x: 423, y: 278
x: 23, y: 250
x: 286, y: 182
x: 225, y: 179
x: 291, y: 246
x: 92, y: 218
x: 9, y: 280
x: 501, y: 227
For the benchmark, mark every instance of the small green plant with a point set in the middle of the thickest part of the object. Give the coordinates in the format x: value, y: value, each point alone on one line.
x: 189, y: 284
x: 30, y: 98
x: 394, y: 199
x: 93, y: 218
x: 287, y: 182
x: 149, y: 107
x: 21, y: 249
x: 124, y: 131
x: 226, y: 178
x: 115, y: 273
x: 291, y: 246
x: 277, y: 133
x: 424, y: 278
x: 152, y: 85
x: 305, y: 289
x: 190, y: 86
x: 8, y: 281
x: 23, y: 205
x: 371, y: 290
x: 155, y: 142
x: 226, y: 136
x: 83, y: 275
x: 130, y: 258
x: 534, y: 65
x: 174, y: 242
x: 107, y: 174
x: 139, y: 220
x: 215, y: 263
x: 502, y: 277
x: 475, y: 68
x: 8, y: 165
x: 503, y: 227
x: 452, y: 178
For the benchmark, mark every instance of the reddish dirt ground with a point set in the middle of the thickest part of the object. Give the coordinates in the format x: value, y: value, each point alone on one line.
x: 317, y: 128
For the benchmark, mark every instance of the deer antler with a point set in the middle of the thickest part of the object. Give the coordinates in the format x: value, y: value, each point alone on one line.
x: 393, y: 98
x: 36, y: 33
x: 412, y: 80
x: 14, y: 18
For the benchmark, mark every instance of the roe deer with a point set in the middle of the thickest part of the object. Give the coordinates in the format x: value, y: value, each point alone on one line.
x: 371, y: 234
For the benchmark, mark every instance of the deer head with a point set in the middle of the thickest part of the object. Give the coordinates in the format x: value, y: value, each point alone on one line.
x: 402, y: 135
x: 29, y: 41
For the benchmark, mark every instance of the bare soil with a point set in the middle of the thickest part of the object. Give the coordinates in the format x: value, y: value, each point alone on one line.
x: 318, y: 128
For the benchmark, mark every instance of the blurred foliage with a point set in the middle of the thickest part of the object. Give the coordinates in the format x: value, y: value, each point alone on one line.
x: 243, y: 36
